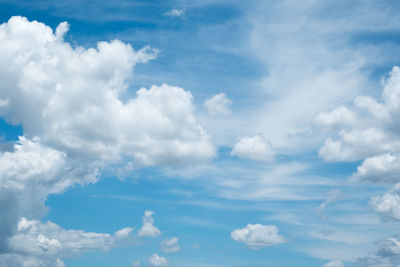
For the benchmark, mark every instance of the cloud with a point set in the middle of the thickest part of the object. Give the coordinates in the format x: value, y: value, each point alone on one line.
x: 340, y: 116
x: 382, y: 168
x: 332, y: 196
x: 46, y: 242
x: 334, y: 263
x: 136, y: 263
x: 28, y: 174
x: 175, y: 12
x: 372, y: 137
x: 255, y: 148
x: 219, y: 104
x: 170, y: 245
x: 67, y: 96
x: 123, y: 233
x: 388, y: 205
x: 258, y: 235
x: 386, y: 254
x: 156, y: 260
x: 148, y: 227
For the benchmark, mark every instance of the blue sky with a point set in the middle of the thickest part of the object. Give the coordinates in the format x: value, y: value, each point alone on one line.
x: 199, y: 133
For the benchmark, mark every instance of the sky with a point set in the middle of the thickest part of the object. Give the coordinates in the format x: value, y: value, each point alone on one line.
x: 199, y: 133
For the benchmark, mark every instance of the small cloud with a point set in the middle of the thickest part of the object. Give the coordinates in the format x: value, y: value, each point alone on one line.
x: 170, y: 245
x: 123, y: 233
x: 255, y: 148
x: 334, y: 263
x: 258, y: 235
x: 136, y: 263
x: 156, y: 260
x: 219, y: 104
x: 148, y: 228
x: 175, y: 12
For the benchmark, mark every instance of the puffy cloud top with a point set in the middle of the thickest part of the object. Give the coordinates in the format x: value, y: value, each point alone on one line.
x: 254, y: 147
x: 70, y: 98
x: 368, y: 131
x: 258, y: 235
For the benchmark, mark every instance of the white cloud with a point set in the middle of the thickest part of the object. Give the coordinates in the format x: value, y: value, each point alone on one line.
x: 255, y: 148
x: 156, y: 260
x: 219, y: 104
x: 388, y: 205
x: 338, y: 117
x: 382, y: 168
x: 67, y: 96
x: 170, y: 245
x: 28, y: 174
x: 46, y: 242
x: 334, y: 263
x: 373, y: 137
x: 258, y: 235
x: 148, y: 227
x: 175, y: 12
x: 123, y: 233
x: 136, y: 263
x: 68, y: 100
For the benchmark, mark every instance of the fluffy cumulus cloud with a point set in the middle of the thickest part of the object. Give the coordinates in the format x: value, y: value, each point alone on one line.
x: 170, y: 245
x: 46, y: 242
x: 218, y: 105
x: 334, y: 263
x: 148, y: 228
x: 388, y: 205
x: 253, y: 147
x: 28, y: 174
x: 65, y: 97
x: 368, y: 131
x: 156, y: 260
x: 382, y: 168
x: 258, y: 235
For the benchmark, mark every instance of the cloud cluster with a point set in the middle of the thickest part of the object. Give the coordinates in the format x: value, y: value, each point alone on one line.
x: 76, y: 123
x: 368, y: 130
x: 258, y: 235
x: 68, y: 97
x: 46, y: 242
